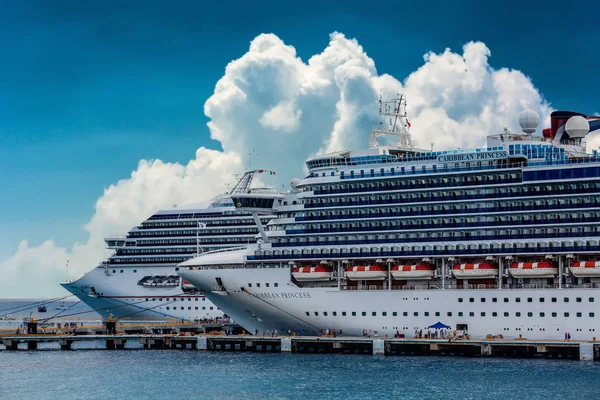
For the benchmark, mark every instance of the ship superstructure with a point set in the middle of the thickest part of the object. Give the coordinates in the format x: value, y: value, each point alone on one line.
x: 139, y: 280
x: 500, y: 240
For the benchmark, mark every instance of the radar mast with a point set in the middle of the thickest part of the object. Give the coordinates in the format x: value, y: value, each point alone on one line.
x: 395, y: 122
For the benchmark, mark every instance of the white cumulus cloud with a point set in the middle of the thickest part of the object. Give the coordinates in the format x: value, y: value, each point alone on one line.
x: 287, y: 109
x: 36, y: 271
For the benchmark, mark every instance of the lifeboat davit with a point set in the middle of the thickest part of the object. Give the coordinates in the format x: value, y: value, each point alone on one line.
x: 585, y: 269
x: 417, y: 271
x: 318, y: 273
x: 475, y: 271
x: 543, y: 269
x: 366, y: 273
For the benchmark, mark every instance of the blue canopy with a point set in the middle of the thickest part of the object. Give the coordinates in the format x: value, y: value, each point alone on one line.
x: 438, y: 325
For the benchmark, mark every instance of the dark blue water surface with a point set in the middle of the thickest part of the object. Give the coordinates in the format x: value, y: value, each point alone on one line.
x: 176, y: 374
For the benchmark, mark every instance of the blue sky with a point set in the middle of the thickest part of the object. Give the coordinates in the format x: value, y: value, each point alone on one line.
x: 87, y: 90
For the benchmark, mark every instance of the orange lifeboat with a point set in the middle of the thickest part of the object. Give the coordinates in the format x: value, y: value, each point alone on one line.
x: 585, y: 269
x: 483, y: 270
x: 186, y: 285
x: 418, y: 271
x: 543, y: 269
x: 366, y: 273
x: 319, y: 273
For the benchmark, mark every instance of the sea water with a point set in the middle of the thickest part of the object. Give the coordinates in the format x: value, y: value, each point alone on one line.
x: 187, y: 374
x: 90, y: 372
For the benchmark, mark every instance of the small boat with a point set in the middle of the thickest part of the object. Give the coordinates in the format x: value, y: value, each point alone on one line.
x: 319, y: 273
x: 417, y: 271
x: 585, y: 269
x: 42, y: 308
x: 367, y: 273
x: 543, y: 269
x: 63, y: 306
x: 483, y: 270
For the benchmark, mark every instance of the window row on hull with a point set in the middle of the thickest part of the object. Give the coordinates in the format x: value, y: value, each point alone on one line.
x: 176, y: 250
x: 487, y: 207
x: 542, y: 234
x: 418, y: 183
x: 587, y: 246
x: 149, y: 260
x: 202, y: 240
x: 455, y: 195
x: 194, y: 223
x: 476, y: 222
x: 194, y: 232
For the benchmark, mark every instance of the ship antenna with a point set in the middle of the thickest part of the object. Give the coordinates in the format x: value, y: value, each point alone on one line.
x: 398, y: 124
x: 243, y: 185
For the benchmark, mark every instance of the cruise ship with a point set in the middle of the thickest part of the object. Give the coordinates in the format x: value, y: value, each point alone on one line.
x: 501, y: 240
x: 140, y: 279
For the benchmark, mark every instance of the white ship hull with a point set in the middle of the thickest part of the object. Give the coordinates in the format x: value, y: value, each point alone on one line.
x: 119, y: 295
x: 308, y: 310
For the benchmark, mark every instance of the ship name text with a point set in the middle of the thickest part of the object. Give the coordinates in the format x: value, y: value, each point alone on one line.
x: 283, y: 295
x: 480, y: 156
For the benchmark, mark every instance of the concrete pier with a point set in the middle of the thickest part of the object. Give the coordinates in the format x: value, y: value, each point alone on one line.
x: 517, y: 348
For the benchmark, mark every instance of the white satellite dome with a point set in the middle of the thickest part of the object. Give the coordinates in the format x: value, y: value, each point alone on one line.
x: 577, y: 127
x: 529, y: 120
x: 294, y: 183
